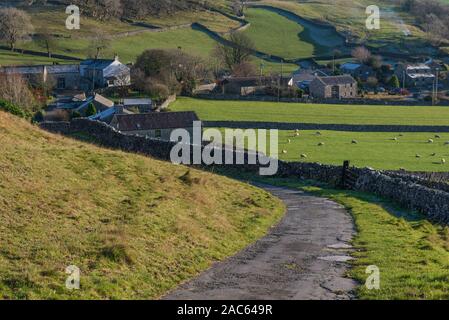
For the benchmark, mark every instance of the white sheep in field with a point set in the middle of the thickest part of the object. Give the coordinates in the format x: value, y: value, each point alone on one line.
x: 321, y: 144
x: 289, y: 141
x: 443, y: 161
x: 297, y: 134
x: 446, y: 143
x: 318, y: 133
x: 430, y: 141
x: 418, y: 156
x: 354, y: 141
x: 433, y: 154
x: 284, y: 151
x: 303, y: 156
x: 395, y: 139
x: 437, y: 136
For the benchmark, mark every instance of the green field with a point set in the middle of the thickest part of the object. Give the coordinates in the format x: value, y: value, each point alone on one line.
x: 313, y: 113
x: 277, y: 35
x: 376, y: 150
x: 349, y: 16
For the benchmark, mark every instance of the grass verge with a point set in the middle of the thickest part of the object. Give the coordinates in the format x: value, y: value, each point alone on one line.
x: 411, y: 252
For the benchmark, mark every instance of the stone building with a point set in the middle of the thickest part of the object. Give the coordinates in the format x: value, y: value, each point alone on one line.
x: 60, y: 77
x: 415, y: 75
x: 335, y: 87
x: 157, y: 125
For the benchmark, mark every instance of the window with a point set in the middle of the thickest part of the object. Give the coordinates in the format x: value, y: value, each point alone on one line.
x: 61, y: 83
x: 158, y: 133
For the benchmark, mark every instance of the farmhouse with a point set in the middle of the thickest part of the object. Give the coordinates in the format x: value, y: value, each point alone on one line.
x: 88, y: 75
x: 335, y: 87
x: 157, y: 125
x: 62, y: 77
x: 303, y: 77
x: 415, y: 75
x: 102, y: 73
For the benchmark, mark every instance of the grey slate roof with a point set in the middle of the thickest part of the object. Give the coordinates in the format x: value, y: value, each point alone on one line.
x: 97, y: 63
x: 337, y: 80
x: 38, y: 69
x: 155, y: 120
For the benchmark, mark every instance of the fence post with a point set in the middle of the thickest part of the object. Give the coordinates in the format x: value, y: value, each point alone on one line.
x: 344, y: 173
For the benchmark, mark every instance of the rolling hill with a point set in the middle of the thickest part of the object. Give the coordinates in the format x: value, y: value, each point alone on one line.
x: 136, y: 227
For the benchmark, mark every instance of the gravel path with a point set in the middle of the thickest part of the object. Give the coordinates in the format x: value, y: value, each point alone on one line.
x: 304, y: 257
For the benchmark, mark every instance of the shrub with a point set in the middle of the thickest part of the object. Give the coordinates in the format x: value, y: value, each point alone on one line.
x: 91, y: 110
x: 39, y: 116
x: 394, y: 82
x: 12, y: 108
x: 75, y: 114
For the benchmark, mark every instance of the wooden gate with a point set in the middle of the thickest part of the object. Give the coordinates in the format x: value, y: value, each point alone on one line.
x: 348, y: 177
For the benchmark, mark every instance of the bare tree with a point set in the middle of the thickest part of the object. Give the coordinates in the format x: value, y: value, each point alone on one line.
x: 362, y: 54
x: 46, y: 40
x: 245, y: 69
x: 15, y: 26
x: 238, y: 51
x: 98, y: 44
x: 14, y: 89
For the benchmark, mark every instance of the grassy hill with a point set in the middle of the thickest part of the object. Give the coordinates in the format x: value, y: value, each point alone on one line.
x: 136, y: 227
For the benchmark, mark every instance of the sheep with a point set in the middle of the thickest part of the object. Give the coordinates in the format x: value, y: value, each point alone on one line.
x: 433, y: 154
x: 430, y: 141
x: 297, y: 134
x: 395, y: 139
x: 418, y: 156
x: 318, y: 133
x: 446, y: 143
x: 284, y: 151
x: 354, y: 142
x: 321, y: 144
x: 303, y: 156
x: 437, y: 136
x: 289, y: 141
x: 443, y: 161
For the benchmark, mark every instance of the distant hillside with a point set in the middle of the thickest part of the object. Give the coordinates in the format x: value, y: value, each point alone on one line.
x: 136, y: 227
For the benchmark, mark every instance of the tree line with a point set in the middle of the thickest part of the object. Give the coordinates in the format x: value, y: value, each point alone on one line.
x: 106, y: 9
x: 431, y: 15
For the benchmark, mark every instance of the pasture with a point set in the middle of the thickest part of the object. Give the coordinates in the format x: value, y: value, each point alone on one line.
x: 313, y: 113
x: 378, y: 150
x: 277, y: 35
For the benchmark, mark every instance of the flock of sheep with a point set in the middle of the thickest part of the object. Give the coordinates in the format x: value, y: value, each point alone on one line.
x: 318, y: 133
